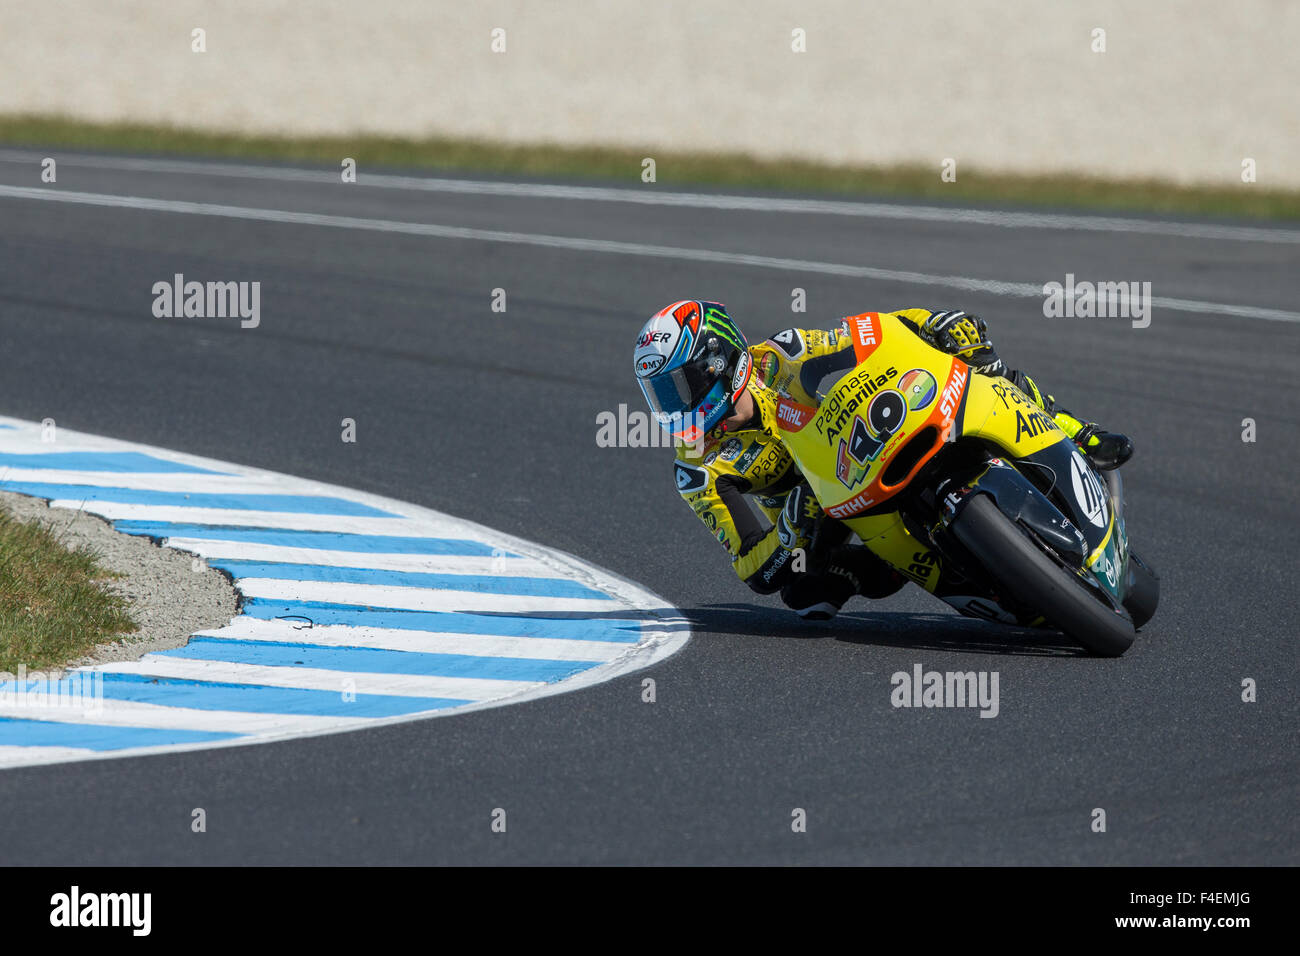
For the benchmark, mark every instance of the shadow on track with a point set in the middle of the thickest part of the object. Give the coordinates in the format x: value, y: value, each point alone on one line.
x: 930, y: 632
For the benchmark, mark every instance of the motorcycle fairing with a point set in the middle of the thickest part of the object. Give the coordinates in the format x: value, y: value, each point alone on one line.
x: 867, y: 440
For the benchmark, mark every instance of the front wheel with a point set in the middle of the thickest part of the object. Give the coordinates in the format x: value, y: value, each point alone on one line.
x: 1027, y: 574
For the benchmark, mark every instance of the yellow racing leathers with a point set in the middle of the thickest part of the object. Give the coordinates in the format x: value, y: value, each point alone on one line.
x: 725, y: 470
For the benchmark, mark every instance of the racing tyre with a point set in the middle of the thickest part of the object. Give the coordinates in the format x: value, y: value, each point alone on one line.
x: 1031, y: 577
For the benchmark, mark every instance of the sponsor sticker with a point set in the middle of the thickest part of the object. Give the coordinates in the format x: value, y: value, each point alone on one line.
x: 654, y: 337
x: 751, y: 453
x: 792, y: 416
x: 953, y: 391
x: 1087, y: 491
x: 1034, y: 424
x: 1107, y: 567
x: 837, y: 411
x: 865, y: 332
x: 649, y: 364
x: 919, y: 388
x: 741, y: 375
x: 690, y: 478
x: 884, y: 419
x: 853, y: 506
x: 790, y: 342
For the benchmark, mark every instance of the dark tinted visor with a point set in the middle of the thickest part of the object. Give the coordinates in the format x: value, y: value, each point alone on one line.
x: 674, y: 393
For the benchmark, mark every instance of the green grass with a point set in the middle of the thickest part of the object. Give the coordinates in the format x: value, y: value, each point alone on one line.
x: 673, y: 168
x: 53, y: 604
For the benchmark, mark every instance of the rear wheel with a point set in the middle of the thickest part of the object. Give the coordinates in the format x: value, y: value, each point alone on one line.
x: 1027, y: 574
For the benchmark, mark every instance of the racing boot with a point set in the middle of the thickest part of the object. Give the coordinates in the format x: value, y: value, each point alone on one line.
x: 875, y: 578
x: 819, y: 596
x: 1106, y: 450
x: 850, y: 570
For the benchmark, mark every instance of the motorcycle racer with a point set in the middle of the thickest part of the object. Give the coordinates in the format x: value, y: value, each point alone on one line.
x: 718, y: 397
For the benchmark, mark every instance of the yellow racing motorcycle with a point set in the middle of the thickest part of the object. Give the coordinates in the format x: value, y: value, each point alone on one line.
x: 967, y: 488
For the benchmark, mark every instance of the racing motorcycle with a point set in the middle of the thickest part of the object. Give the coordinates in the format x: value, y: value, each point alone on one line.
x: 967, y: 488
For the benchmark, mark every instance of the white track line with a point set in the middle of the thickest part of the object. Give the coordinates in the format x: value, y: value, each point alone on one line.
x: 1026, y: 290
x: 653, y: 197
x: 153, y: 481
x: 15, y: 756
x: 110, y: 712
x: 417, y: 599
x: 428, y: 642
x: 315, y: 678
x: 176, y: 514
x: 211, y: 548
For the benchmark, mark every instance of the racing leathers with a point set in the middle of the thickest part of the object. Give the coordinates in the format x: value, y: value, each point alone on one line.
x: 725, y: 470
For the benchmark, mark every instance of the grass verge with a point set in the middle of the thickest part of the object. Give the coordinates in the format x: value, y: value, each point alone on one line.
x: 678, y: 169
x: 53, y: 604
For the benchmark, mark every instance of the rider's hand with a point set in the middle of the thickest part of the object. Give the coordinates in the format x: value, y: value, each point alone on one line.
x: 965, y: 336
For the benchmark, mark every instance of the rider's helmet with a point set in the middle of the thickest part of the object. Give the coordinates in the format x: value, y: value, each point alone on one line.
x: 692, y: 364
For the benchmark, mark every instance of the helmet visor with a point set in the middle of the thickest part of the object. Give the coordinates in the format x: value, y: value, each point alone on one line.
x: 678, y: 391
x: 686, y: 401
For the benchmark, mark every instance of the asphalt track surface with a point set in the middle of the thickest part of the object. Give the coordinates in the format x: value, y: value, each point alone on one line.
x: 492, y: 417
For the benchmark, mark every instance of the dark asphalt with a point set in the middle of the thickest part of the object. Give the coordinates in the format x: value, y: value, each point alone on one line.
x: 492, y: 417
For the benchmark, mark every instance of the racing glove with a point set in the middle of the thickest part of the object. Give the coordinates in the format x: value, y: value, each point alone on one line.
x: 965, y: 336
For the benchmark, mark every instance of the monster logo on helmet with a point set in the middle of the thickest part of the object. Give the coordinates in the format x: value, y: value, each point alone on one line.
x: 692, y: 363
